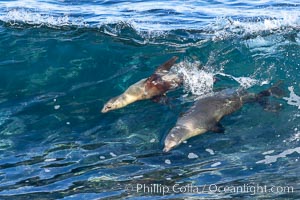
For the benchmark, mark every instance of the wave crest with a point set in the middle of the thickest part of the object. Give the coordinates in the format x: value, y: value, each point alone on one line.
x: 148, y: 29
x: 20, y: 17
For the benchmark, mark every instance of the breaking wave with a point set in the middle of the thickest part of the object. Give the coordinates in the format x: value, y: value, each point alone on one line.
x: 141, y: 21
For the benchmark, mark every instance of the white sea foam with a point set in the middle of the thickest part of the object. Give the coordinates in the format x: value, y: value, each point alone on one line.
x: 295, y: 137
x: 216, y: 164
x: 293, y: 99
x: 33, y: 18
x: 139, y: 16
x: 152, y: 140
x: 192, y: 156
x: 56, y: 107
x: 210, y: 151
x: 167, y: 161
x: 268, y: 152
x: 274, y: 20
x: 138, y: 176
x: 271, y: 159
x: 112, y: 154
x: 196, y: 81
x: 50, y: 159
x: 102, y: 157
x: 245, y: 82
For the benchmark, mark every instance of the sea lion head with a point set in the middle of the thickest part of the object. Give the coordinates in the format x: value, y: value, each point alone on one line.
x: 175, y: 137
x: 113, y: 104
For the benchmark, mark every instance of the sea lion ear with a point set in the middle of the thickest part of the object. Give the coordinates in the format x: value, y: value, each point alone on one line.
x: 167, y: 65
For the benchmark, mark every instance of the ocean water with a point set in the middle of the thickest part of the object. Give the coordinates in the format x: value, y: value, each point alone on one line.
x: 61, y: 60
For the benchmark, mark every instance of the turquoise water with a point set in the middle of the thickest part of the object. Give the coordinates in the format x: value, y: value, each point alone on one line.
x: 62, y: 60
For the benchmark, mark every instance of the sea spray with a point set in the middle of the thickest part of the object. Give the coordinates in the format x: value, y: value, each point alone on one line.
x: 293, y: 99
x: 196, y: 81
x: 245, y: 82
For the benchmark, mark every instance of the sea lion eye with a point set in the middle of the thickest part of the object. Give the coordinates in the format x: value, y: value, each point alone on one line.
x: 108, y: 107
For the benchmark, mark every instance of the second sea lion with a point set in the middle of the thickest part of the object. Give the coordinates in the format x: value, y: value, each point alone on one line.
x: 206, y: 113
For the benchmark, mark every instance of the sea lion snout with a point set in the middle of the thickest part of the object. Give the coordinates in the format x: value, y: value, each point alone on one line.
x: 175, y: 137
x: 105, y: 109
x: 118, y: 102
x: 111, y: 105
x: 169, y: 145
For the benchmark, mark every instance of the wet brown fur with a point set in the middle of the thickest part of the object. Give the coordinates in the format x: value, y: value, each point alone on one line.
x: 153, y: 87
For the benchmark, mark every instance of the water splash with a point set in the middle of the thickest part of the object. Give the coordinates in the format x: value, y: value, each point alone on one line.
x: 196, y: 80
x: 200, y: 80
x: 245, y: 82
x: 293, y: 99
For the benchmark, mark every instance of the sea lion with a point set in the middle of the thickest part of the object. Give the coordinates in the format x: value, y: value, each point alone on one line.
x: 206, y: 113
x: 156, y: 85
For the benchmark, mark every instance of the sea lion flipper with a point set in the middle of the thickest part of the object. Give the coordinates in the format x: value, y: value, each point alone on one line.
x: 217, y: 128
x: 276, y: 91
x: 163, y: 99
x: 156, y: 80
x: 270, y: 106
x: 167, y: 65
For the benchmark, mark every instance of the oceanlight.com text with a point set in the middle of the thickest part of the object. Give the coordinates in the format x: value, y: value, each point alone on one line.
x: 161, y: 189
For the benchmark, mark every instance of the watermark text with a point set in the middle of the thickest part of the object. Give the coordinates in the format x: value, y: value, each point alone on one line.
x: 161, y: 189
